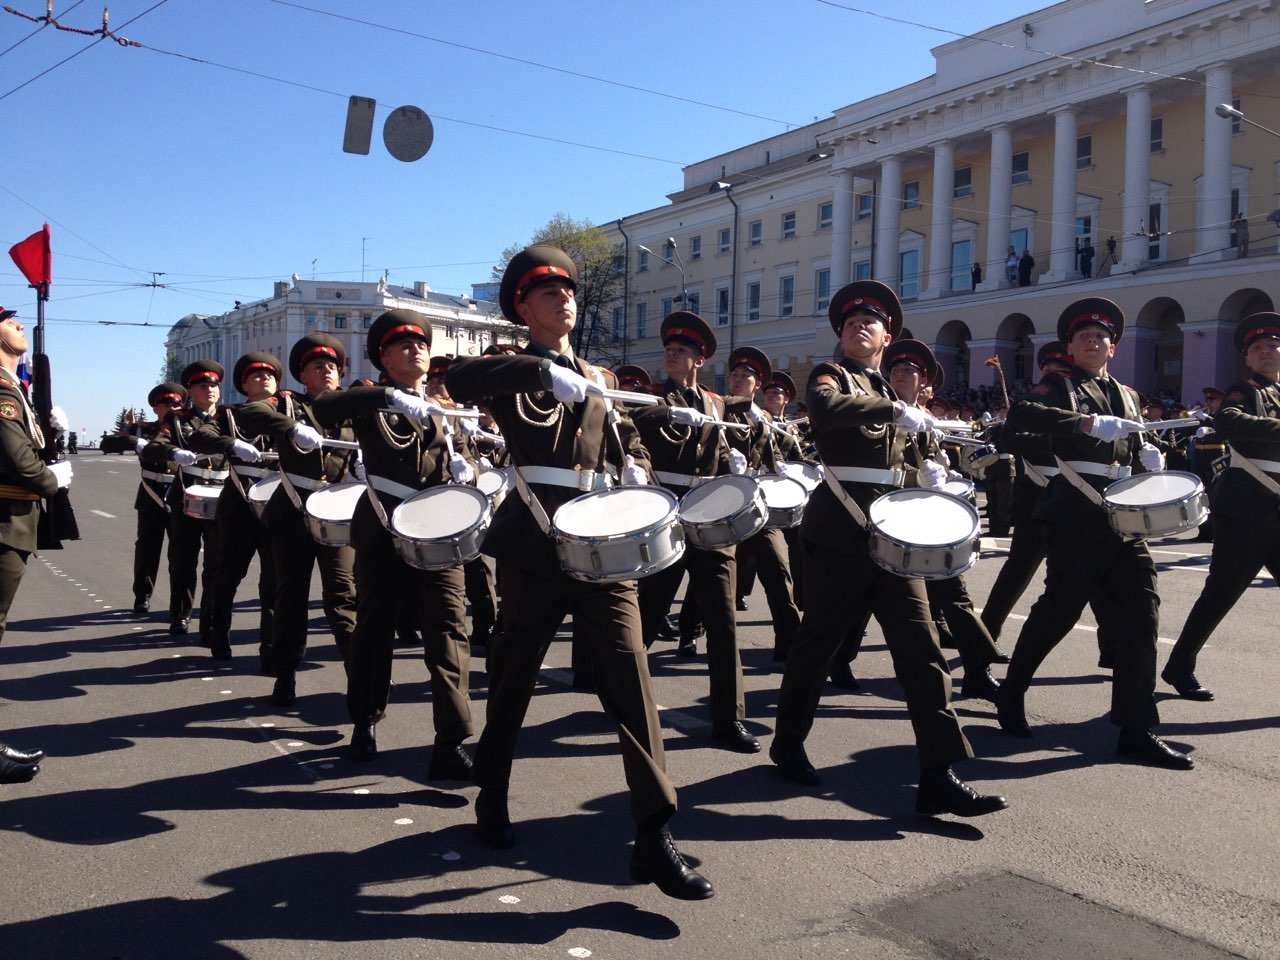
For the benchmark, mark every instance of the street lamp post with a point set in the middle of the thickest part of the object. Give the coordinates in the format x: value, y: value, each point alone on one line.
x: 678, y: 263
x: 1228, y: 112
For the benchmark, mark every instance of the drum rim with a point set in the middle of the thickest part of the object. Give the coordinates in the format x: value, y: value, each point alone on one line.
x: 673, y: 513
x: 676, y: 556
x: 974, y: 557
x: 776, y: 477
x: 330, y: 488
x: 486, y: 514
x: 974, y: 538
x: 1128, y: 481
x: 757, y: 498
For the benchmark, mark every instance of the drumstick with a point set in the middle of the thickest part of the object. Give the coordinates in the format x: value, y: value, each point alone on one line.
x: 624, y: 396
x: 467, y: 413
x: 955, y: 426
x: 339, y: 444
x: 1171, y: 424
x: 963, y: 441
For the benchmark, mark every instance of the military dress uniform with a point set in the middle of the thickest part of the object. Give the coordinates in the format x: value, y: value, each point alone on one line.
x: 293, y: 550
x: 187, y: 535
x: 240, y: 533
x: 151, y: 505
x: 563, y: 450
x: 1087, y: 560
x: 682, y: 456
x: 1246, y: 533
x: 402, y: 457
x: 1204, y: 452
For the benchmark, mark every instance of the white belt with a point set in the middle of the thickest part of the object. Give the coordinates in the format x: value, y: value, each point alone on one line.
x: 676, y: 479
x: 201, y: 473
x: 584, y: 480
x: 1037, y: 474
x: 1266, y: 466
x: 258, y: 472
x: 158, y: 477
x: 391, y: 488
x: 1112, y: 471
x: 1006, y: 456
x: 304, y: 483
x: 891, y: 478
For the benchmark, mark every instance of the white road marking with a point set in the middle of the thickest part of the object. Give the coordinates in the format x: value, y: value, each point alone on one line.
x: 508, y: 898
x: 1084, y: 626
x: 451, y: 856
x: 402, y: 821
x: 361, y: 791
x: 103, y: 513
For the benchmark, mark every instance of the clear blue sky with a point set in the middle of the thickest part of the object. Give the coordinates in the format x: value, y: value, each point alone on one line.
x: 153, y: 163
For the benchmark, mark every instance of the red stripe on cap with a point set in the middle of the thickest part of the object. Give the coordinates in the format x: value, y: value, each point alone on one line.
x: 170, y: 397
x: 1053, y: 355
x: 914, y: 358
x: 327, y: 352
x: 1079, y: 321
x: 752, y: 364
x: 866, y: 303
x: 403, y: 328
x: 258, y: 365
x: 1256, y: 332
x: 206, y: 376
x: 546, y: 270
x: 688, y: 333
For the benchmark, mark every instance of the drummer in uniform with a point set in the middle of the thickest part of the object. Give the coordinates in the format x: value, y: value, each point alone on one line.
x: 633, y: 378
x: 779, y: 391
x: 1246, y: 534
x: 561, y: 437
x: 861, y: 428
x: 240, y: 534
x: 150, y: 503
x: 1204, y: 451
x: 317, y: 361
x: 407, y: 447
x: 686, y: 449
x: 1093, y: 424
x: 172, y: 444
x: 765, y: 553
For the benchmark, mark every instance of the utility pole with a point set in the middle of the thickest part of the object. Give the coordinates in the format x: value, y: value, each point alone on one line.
x: 363, y: 243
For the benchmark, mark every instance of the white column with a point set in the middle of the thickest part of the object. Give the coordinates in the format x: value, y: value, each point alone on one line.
x: 889, y: 218
x: 1062, y: 235
x: 1213, y: 233
x: 999, y: 208
x: 1137, y: 179
x: 939, y: 275
x: 841, y: 228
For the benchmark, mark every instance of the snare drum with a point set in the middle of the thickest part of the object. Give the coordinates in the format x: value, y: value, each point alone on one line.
x: 786, y: 499
x: 200, y: 501
x: 619, y: 534
x: 494, y: 484
x: 261, y: 493
x: 723, y: 511
x: 441, y: 527
x: 962, y: 488
x: 923, y: 533
x: 1156, y: 504
x: 809, y: 475
x: 328, y: 513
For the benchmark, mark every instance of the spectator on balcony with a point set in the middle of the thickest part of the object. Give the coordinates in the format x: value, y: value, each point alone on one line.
x: 1011, y: 266
x: 976, y: 274
x: 1086, y: 259
x: 1026, y: 264
x: 1241, y: 227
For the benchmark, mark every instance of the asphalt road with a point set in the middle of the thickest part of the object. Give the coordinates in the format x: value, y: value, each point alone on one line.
x: 180, y: 815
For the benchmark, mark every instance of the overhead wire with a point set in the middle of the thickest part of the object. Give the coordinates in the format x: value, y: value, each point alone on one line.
x: 21, y: 41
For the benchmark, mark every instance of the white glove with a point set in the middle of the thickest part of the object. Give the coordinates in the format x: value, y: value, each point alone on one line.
x: 569, y: 386
x: 1201, y: 415
x: 931, y: 475
x: 468, y: 426
x: 460, y: 470
x: 757, y: 415
x: 58, y: 419
x: 1110, y: 429
x: 1202, y: 432
x: 245, y: 451
x: 737, y: 462
x: 689, y: 417
x: 183, y: 458
x: 912, y: 418
x: 140, y: 444
x: 305, y: 438
x: 357, y: 469
x: 632, y: 475
x: 415, y: 407
x: 485, y: 463
x: 1151, y: 458
x: 62, y: 470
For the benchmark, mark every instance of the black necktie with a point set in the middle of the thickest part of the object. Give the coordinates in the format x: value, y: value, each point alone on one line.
x: 691, y: 397
x: 565, y: 362
x: 878, y: 383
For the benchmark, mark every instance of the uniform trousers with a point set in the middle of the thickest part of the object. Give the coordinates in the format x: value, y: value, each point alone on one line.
x: 1026, y: 553
x: 383, y: 580
x: 240, y: 535
x: 294, y: 552
x: 13, y: 564
x: 607, y: 618
x: 153, y: 520
x: 795, y: 561
x: 712, y: 583
x: 999, y: 497
x: 767, y: 554
x: 1242, y: 546
x: 186, y: 536
x: 1088, y: 563
x: 482, y: 597
x: 840, y: 584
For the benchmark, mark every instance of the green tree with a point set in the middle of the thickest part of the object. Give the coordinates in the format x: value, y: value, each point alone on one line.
x: 171, y: 369
x: 599, y: 281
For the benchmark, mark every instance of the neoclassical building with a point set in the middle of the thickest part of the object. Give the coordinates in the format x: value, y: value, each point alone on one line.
x: 1115, y: 144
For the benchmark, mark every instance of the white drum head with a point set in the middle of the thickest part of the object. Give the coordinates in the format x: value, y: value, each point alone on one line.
x: 610, y: 513
x: 717, y: 499
x: 782, y: 493
x: 264, y: 489
x: 204, y: 491
x: 439, y: 512
x: 808, y: 474
x: 923, y: 518
x: 335, y: 503
x: 1147, y: 489
x: 492, y: 482
x: 958, y: 488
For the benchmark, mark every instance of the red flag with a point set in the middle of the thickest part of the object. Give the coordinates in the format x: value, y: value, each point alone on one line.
x: 34, y: 258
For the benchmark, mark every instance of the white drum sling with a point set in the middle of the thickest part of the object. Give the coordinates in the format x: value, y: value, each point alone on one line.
x: 923, y: 533
x: 260, y: 494
x: 441, y: 527
x: 619, y: 534
x: 200, y: 501
x: 723, y: 512
x: 1156, y: 504
x: 328, y: 513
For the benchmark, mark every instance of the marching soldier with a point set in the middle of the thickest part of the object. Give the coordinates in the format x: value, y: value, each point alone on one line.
x: 317, y: 361
x: 24, y: 482
x: 1092, y: 422
x: 685, y: 448
x: 633, y: 378
x: 171, y: 444
x: 779, y: 391
x: 406, y: 445
x: 151, y: 502
x: 861, y: 428
x: 1245, y: 499
x: 1204, y: 450
x: 559, y: 436
x: 999, y: 477
x: 240, y: 534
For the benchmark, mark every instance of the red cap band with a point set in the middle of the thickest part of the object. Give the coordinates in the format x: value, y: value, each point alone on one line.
x: 1054, y: 355
x: 751, y: 364
x: 167, y: 398
x: 867, y: 303
x: 257, y: 365
x: 1101, y: 319
x: 205, y: 376
x: 686, y: 333
x: 327, y: 352
x: 410, y: 328
x: 1259, y: 332
x: 546, y: 270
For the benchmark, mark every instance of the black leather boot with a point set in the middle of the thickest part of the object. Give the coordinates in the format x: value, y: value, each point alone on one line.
x: 450, y: 761
x: 792, y: 763
x: 656, y: 860
x: 1143, y: 746
x: 364, y: 744
x: 941, y: 791
x: 1011, y: 712
x: 20, y: 756
x: 285, y: 691
x: 13, y: 772
x: 492, y: 820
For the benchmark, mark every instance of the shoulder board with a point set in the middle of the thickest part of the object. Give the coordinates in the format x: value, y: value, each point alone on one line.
x: 711, y: 393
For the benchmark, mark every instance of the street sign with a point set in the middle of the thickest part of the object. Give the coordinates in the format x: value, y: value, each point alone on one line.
x: 359, y: 132
x: 408, y: 134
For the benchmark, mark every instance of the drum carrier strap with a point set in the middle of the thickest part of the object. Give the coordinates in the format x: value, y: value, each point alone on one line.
x: 1238, y: 459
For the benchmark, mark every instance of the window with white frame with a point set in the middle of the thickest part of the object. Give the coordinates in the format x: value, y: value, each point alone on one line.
x: 666, y: 307
x: 366, y: 320
x: 722, y: 306
x: 911, y: 195
x: 786, y: 296
x: 1022, y: 167
x: 961, y: 265
x: 1084, y: 153
x: 821, y: 289
x: 695, y: 248
x: 339, y: 321
x: 864, y: 204
x: 862, y: 270
x: 824, y: 215
x: 642, y: 320
x: 755, y: 231
x: 909, y: 271
x: 1157, y: 134
x: 618, y: 316
x: 753, y: 301
x: 724, y: 240
x: 644, y: 262
x: 962, y: 182
x: 789, y: 225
